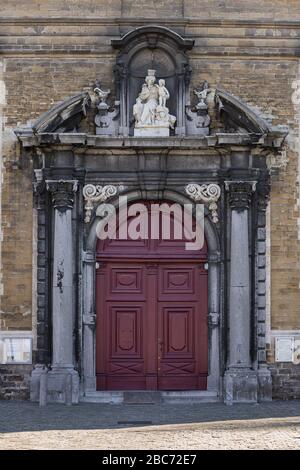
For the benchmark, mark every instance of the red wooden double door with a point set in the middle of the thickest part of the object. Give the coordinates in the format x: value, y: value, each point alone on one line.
x: 151, y: 316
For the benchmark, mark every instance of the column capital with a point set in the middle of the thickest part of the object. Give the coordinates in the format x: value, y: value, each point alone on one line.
x: 62, y: 192
x: 240, y: 193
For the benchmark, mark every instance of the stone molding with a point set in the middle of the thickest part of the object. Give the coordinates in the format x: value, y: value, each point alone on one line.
x: 207, y: 193
x: 62, y: 192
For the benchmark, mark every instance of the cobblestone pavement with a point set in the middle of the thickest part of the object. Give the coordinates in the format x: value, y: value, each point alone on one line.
x: 275, y: 425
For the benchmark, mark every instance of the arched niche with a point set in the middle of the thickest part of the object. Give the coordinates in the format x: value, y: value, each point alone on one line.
x: 158, y: 48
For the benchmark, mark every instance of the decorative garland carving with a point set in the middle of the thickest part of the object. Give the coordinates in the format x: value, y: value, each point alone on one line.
x: 97, y: 193
x: 207, y: 193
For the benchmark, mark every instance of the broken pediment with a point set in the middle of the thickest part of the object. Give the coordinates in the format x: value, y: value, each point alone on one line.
x: 238, y: 116
x: 65, y: 116
x: 162, y: 101
x: 241, y: 125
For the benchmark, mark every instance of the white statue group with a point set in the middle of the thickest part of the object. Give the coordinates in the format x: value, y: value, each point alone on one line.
x: 150, y: 112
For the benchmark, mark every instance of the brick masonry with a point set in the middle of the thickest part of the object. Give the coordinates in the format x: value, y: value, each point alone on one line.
x: 286, y: 381
x: 50, y: 59
x: 14, y: 381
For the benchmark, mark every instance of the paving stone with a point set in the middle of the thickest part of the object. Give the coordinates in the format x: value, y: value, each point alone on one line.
x: 274, y: 425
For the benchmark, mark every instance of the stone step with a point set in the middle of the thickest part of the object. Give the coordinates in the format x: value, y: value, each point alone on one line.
x: 189, y: 397
x: 140, y: 397
x: 103, y: 397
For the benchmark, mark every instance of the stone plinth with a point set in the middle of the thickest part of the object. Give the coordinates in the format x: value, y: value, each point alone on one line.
x: 152, y: 131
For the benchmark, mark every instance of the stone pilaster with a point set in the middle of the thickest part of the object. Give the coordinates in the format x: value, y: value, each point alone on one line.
x: 240, y: 379
x: 89, y: 323
x: 213, y: 380
x: 263, y: 373
x: 40, y: 273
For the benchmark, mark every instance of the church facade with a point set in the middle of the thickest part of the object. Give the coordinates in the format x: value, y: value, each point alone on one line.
x: 164, y: 105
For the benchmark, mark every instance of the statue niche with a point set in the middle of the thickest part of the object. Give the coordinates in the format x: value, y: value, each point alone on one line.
x: 152, y: 51
x: 151, y: 115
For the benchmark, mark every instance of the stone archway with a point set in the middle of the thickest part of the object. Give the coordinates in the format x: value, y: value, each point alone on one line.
x: 88, y: 294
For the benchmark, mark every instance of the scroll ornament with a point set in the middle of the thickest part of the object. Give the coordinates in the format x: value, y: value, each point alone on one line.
x: 97, y: 193
x: 207, y: 193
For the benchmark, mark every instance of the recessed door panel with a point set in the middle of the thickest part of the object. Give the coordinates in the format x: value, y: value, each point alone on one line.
x: 125, y: 330
x: 177, y: 282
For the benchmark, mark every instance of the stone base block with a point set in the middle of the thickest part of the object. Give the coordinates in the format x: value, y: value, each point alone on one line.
x: 35, y: 381
x: 63, y: 386
x: 240, y: 386
x: 152, y: 131
x: 264, y: 378
x: 54, y: 386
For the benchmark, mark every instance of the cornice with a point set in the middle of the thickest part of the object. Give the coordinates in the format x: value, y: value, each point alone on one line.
x: 188, y: 21
x: 29, y: 139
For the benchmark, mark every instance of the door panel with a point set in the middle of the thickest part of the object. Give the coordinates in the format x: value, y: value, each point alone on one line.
x: 179, y: 364
x: 177, y: 334
x: 177, y: 282
x: 121, y: 326
x: 126, y: 282
x: 126, y: 331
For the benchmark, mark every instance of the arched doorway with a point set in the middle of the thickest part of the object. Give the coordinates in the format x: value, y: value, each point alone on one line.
x: 151, y: 298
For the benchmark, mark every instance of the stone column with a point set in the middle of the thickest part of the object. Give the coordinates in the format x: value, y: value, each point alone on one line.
x: 240, y: 379
x: 62, y: 192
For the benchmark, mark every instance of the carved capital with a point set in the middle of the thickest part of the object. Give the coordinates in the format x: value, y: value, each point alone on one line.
x: 96, y: 193
x: 207, y: 193
x: 240, y: 193
x: 62, y: 192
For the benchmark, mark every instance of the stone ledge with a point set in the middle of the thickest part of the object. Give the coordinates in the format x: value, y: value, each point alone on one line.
x: 29, y: 139
x: 187, y: 21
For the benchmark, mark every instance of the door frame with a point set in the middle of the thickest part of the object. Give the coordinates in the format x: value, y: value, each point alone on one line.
x: 88, y: 296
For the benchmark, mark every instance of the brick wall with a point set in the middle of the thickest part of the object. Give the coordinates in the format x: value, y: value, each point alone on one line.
x: 286, y: 381
x: 221, y: 9
x: 14, y: 382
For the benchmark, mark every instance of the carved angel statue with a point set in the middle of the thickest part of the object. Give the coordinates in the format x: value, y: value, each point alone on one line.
x: 101, y: 93
x: 202, y: 94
